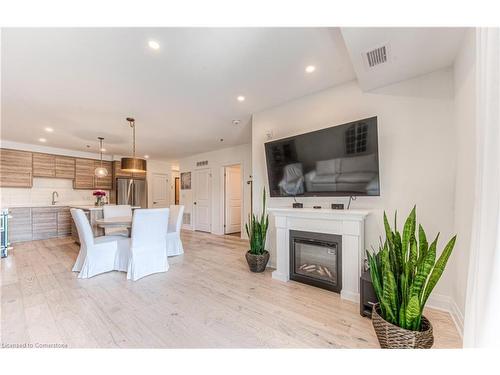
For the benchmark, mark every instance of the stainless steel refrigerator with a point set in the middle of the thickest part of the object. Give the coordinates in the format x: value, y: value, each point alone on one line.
x: 132, y: 192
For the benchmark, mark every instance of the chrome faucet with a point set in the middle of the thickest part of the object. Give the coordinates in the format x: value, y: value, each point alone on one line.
x: 54, y: 194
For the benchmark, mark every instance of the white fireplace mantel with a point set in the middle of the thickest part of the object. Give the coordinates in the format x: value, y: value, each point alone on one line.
x: 350, y: 224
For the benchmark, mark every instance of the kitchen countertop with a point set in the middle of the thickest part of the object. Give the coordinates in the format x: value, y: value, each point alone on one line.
x: 83, y: 206
x: 92, y: 207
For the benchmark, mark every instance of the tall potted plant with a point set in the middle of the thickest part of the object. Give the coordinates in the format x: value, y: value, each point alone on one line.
x: 257, y: 257
x: 404, y: 272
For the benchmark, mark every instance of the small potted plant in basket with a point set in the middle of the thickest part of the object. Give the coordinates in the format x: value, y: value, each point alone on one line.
x: 99, y: 195
x: 404, y: 272
x: 257, y: 257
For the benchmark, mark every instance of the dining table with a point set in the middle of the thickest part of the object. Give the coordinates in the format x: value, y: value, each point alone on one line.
x: 115, y: 222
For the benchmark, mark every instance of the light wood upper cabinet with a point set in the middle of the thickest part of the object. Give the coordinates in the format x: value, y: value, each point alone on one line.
x: 84, y: 174
x: 105, y: 183
x: 65, y: 167
x: 44, y: 165
x: 16, y: 168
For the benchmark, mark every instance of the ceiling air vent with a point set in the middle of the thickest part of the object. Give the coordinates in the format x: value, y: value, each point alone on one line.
x: 377, y: 56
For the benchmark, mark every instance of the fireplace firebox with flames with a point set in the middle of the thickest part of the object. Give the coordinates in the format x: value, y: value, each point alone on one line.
x: 316, y: 259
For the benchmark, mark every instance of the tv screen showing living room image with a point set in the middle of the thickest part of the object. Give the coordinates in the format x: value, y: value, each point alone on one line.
x: 340, y: 160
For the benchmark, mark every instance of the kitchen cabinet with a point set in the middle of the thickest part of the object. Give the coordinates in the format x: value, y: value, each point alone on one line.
x: 84, y: 174
x: 44, y: 165
x: 44, y: 222
x: 105, y: 183
x: 16, y: 168
x: 63, y: 222
x: 65, y: 167
x: 39, y: 223
x: 20, y: 225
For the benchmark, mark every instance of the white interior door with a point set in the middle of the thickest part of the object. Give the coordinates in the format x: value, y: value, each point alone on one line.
x: 232, y: 188
x: 160, y: 191
x: 202, y: 200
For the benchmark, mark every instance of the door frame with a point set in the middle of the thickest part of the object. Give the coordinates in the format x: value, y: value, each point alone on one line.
x: 222, y: 208
x: 194, y: 182
x: 177, y: 192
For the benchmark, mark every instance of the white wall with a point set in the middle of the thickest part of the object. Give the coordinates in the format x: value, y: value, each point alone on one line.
x: 216, y: 161
x: 464, y: 121
x: 416, y: 150
x: 41, y: 194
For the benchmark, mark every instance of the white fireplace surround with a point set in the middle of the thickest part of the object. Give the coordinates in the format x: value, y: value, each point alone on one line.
x: 350, y: 224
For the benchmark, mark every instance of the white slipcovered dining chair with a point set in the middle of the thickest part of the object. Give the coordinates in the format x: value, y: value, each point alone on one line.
x: 148, y: 243
x: 119, y: 210
x: 98, y: 255
x: 174, y: 243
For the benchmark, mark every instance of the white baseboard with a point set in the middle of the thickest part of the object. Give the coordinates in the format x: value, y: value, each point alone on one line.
x: 447, y: 304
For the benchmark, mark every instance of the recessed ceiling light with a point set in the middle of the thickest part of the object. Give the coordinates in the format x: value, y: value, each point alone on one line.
x: 153, y: 44
x: 236, y: 122
x: 146, y: 156
x: 310, y: 68
x: 102, y: 150
x: 49, y: 129
x: 241, y: 98
x: 43, y: 140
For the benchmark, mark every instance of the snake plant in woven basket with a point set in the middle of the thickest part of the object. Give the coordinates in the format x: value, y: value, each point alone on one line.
x: 404, y: 271
x: 257, y: 229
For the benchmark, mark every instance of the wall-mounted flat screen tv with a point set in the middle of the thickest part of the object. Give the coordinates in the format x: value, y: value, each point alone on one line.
x: 338, y: 161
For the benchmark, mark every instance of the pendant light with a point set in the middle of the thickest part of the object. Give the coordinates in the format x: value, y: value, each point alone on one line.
x: 133, y: 164
x: 100, y: 171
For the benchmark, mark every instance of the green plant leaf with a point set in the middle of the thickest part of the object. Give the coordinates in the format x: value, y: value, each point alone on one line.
x: 408, y: 231
x: 438, y: 269
x: 413, y: 313
x: 424, y: 270
x: 404, y: 271
x: 423, y: 246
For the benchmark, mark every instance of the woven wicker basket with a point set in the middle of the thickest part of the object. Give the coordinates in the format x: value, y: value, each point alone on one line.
x: 257, y: 263
x: 391, y: 336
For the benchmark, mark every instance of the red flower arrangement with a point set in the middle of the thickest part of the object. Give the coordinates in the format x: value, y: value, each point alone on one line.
x: 99, y: 193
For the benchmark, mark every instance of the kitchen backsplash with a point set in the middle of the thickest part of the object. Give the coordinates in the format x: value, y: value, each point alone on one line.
x: 41, y: 193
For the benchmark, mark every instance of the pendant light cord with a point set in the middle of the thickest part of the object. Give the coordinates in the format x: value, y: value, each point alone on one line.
x: 133, y: 127
x: 100, y: 147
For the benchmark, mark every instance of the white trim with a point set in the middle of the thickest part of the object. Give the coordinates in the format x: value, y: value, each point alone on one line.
x: 447, y: 304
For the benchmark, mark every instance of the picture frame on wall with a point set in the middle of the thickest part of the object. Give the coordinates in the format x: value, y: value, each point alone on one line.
x: 186, y: 181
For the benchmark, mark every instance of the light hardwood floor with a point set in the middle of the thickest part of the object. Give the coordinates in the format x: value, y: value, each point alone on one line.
x: 208, y: 298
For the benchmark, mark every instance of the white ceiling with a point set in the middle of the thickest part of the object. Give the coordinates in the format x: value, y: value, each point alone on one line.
x: 85, y: 82
x: 412, y: 52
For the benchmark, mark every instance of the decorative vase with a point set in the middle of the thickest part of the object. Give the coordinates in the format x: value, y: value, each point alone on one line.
x: 98, y: 201
x: 391, y: 336
x: 257, y: 263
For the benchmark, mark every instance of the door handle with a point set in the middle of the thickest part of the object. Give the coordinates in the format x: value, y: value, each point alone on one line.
x: 155, y: 202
